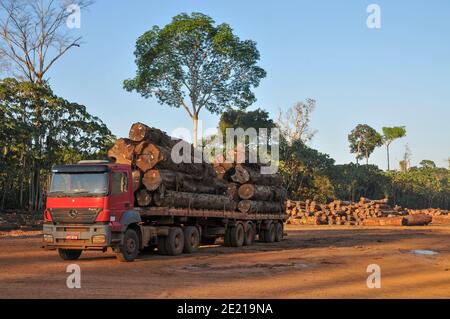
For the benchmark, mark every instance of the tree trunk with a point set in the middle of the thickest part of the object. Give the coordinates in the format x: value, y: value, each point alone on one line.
x: 261, y: 192
x: 195, y: 129
x: 193, y: 200
x: 388, y: 164
x: 251, y: 206
x: 244, y: 175
x: 143, y: 198
x: 122, y: 152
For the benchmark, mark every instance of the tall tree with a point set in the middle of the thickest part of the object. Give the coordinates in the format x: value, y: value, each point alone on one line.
x: 390, y: 134
x: 34, y: 35
x: 363, y: 141
x: 294, y: 123
x: 66, y: 133
x: 193, y: 64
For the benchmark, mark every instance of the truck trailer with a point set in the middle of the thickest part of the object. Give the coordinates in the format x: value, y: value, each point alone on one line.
x: 90, y: 206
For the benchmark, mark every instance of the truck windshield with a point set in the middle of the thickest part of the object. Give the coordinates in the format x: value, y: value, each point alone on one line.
x: 79, y: 184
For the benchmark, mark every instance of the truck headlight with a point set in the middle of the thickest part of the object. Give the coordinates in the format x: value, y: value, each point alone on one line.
x: 48, y: 238
x: 98, y: 239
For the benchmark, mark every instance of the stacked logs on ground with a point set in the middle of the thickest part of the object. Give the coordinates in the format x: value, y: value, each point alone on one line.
x: 159, y: 180
x: 340, y: 212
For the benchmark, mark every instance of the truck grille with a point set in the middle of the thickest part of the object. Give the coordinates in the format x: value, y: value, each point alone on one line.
x: 74, y: 216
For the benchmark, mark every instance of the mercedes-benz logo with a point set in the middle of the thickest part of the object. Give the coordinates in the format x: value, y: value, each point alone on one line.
x: 73, y: 213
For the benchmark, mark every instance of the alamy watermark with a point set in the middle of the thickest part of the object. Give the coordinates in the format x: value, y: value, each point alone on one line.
x: 73, y: 20
x: 238, y: 146
x: 74, y: 279
x: 374, y: 279
x: 374, y: 19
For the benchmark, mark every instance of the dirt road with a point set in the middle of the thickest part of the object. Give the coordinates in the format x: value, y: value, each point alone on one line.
x: 312, y: 262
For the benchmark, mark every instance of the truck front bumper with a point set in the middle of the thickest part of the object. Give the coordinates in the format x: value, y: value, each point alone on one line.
x: 84, y: 237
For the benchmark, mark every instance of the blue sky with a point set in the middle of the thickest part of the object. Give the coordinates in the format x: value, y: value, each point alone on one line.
x: 396, y: 75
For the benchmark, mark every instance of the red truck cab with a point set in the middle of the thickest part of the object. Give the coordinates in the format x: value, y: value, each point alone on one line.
x: 89, y: 206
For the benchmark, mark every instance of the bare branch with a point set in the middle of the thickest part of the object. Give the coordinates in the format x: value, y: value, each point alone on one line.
x: 34, y: 34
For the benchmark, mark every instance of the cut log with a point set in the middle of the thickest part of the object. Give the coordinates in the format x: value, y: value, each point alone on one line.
x: 384, y: 221
x: 143, y: 198
x: 122, y: 151
x: 193, y: 200
x: 140, y: 132
x: 256, y: 192
x: 154, y: 179
x: 137, y: 177
x: 244, y: 175
x: 441, y: 220
x: 251, y: 206
x: 418, y: 220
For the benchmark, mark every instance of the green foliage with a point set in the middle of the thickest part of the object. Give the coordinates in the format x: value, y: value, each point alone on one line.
x: 352, y: 181
x: 258, y: 118
x: 389, y: 135
x: 37, y: 130
x: 392, y: 133
x: 422, y: 187
x: 363, y: 141
x: 427, y: 164
x: 304, y: 171
x: 192, y: 59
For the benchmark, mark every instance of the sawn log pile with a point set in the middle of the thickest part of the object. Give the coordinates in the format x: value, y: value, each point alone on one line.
x: 160, y: 181
x: 366, y: 212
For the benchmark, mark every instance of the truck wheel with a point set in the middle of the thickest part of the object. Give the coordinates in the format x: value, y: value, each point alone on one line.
x: 191, y: 239
x: 162, y: 245
x: 249, y: 235
x: 175, y: 241
x: 227, y: 237
x: 278, y: 232
x: 129, y: 250
x: 69, y: 254
x: 270, y: 234
x: 237, y: 235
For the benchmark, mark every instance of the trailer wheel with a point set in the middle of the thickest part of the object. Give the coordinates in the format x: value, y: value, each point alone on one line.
x: 129, y: 250
x: 250, y: 234
x: 162, y: 245
x: 191, y: 239
x: 69, y: 254
x: 270, y: 234
x: 237, y: 235
x: 175, y: 241
x: 278, y: 232
x: 227, y: 237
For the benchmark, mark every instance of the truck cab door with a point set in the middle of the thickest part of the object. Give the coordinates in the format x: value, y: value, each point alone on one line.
x: 119, y: 189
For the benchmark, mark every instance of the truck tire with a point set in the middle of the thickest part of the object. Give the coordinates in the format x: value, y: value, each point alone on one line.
x: 175, y: 241
x: 250, y: 234
x: 270, y: 234
x: 129, y: 250
x: 69, y: 254
x: 191, y: 239
x: 278, y: 232
x: 162, y: 245
x: 267, y: 235
x: 227, y: 237
x: 237, y: 235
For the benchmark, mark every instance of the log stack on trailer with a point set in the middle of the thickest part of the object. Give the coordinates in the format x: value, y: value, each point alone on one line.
x: 160, y: 181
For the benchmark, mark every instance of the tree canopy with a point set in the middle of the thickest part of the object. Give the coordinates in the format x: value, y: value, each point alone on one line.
x: 390, y: 134
x: 37, y: 130
x: 194, y: 64
x: 363, y: 141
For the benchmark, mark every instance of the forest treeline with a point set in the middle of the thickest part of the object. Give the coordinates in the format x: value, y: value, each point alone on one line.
x: 310, y: 174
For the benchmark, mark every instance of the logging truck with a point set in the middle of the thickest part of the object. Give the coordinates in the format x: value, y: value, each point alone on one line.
x: 91, y: 206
